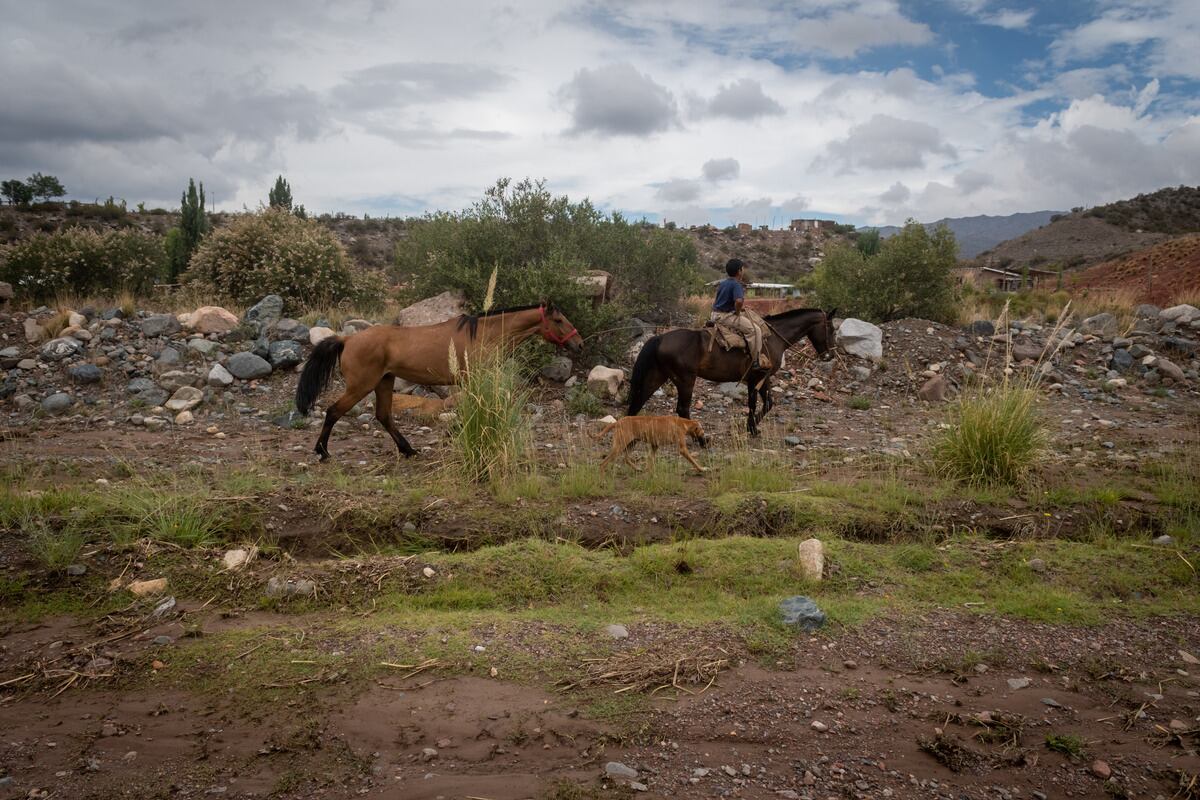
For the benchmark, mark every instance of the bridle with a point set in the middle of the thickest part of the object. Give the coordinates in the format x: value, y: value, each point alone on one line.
x: 547, y: 332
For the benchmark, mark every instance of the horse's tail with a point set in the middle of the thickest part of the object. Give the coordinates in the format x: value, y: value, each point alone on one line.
x: 317, y: 372
x: 600, y: 433
x: 639, y: 388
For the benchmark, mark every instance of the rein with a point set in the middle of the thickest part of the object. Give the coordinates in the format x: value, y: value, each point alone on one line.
x: 547, y: 332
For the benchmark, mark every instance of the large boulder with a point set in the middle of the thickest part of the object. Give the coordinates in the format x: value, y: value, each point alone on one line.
x: 160, y: 325
x: 558, y: 370
x: 982, y: 327
x: 285, y: 354
x: 432, y: 310
x: 210, y: 319
x: 60, y: 348
x: 265, y: 312
x: 1169, y: 369
x: 862, y: 339
x: 288, y: 328
x: 1147, y: 311
x: 1103, y: 324
x: 353, y: 326
x: 247, y: 366
x: 1182, y: 314
x: 605, y: 381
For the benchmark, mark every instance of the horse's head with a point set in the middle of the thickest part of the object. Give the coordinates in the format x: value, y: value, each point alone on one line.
x: 558, y: 330
x: 823, y: 336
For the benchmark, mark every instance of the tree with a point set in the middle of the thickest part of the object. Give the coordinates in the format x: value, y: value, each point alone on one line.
x: 868, y: 242
x: 194, y: 225
x: 908, y: 277
x: 45, y: 187
x: 16, y: 192
x: 280, y: 196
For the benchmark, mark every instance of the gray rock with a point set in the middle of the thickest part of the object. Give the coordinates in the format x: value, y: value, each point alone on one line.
x: 1026, y: 352
x: 801, y: 612
x: 170, y: 381
x: 860, y: 338
x: 292, y: 419
x: 185, y: 398
x: 737, y: 391
x: 1140, y: 351
x: 860, y: 372
x: 934, y: 390
x: 203, y: 346
x: 75, y: 570
x: 26, y: 363
x: 1121, y: 360
x: 247, y: 366
x: 86, y: 373
x: 1165, y: 540
x: 615, y: 769
x: 1037, y: 565
x: 616, y: 631
x: 558, y: 370
x: 293, y: 329
x: 1169, y: 369
x: 265, y: 312
x: 1182, y: 314
x: 1103, y: 324
x: 283, y: 587
x: 262, y: 348
x: 1018, y: 683
x: 982, y: 327
x: 10, y: 352
x: 160, y: 325
x: 57, y: 403
x: 219, y: 377
x: 161, y: 640
x: 1147, y: 311
x: 1180, y: 344
x: 154, y: 423
x: 168, y: 357
x: 112, y: 313
x: 791, y: 441
x: 60, y: 348
x: 285, y: 354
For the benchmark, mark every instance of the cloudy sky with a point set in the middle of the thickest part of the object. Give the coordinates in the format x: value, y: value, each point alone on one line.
x: 871, y: 111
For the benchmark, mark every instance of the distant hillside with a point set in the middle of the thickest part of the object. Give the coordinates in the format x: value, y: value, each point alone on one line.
x: 772, y: 256
x: 1163, y: 274
x: 977, y: 234
x: 1174, y: 210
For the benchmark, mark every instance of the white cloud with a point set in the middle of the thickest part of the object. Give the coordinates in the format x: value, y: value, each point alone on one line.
x: 679, y: 190
x: 743, y: 99
x: 1009, y: 19
x: 896, y: 195
x: 721, y: 169
x: 885, y: 142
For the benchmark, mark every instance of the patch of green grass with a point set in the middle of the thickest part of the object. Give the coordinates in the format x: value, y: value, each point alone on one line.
x: 490, y: 434
x: 54, y: 550
x: 1068, y: 744
x: 584, y: 480
x: 995, y: 436
x: 661, y: 476
x: 751, y: 472
x: 859, y: 402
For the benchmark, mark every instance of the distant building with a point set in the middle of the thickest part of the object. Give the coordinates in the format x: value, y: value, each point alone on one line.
x: 811, y: 224
x: 1005, y: 280
x: 744, y: 227
x: 771, y: 290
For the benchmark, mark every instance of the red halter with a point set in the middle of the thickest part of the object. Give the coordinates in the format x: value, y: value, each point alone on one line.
x: 548, y: 333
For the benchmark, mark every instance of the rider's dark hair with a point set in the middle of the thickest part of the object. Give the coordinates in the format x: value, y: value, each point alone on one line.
x: 734, y: 266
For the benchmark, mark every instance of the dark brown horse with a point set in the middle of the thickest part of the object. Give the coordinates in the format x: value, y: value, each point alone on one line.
x: 372, y: 359
x: 684, y: 354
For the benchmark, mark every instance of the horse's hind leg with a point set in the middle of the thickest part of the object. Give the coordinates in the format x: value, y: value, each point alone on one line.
x: 764, y: 393
x: 355, y: 391
x: 751, y: 402
x: 383, y: 413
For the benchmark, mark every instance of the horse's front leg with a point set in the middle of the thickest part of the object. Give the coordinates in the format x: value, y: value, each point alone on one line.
x: 683, y: 390
x: 764, y: 393
x: 751, y: 403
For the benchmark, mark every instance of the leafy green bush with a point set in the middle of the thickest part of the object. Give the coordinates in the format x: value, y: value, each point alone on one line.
x: 275, y: 252
x: 581, y: 400
x: 541, y: 243
x: 83, y: 261
x: 909, y: 276
x: 995, y: 436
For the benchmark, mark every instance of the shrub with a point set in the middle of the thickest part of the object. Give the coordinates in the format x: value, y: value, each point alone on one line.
x: 54, y: 550
x: 995, y: 435
x: 581, y: 400
x: 490, y: 433
x: 909, y: 276
x: 84, y: 262
x: 274, y: 252
x: 540, y: 243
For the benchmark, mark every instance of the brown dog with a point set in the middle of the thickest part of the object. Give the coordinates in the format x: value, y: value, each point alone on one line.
x: 654, y: 431
x: 428, y: 407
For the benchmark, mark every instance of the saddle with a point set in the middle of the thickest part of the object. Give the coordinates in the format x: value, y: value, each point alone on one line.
x: 727, y: 338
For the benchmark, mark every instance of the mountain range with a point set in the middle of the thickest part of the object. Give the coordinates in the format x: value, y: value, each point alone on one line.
x: 977, y: 234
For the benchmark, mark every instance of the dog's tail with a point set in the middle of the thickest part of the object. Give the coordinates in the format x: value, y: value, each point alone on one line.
x: 600, y: 433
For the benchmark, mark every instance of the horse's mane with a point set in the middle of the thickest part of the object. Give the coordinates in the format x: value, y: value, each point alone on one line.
x: 472, y: 320
x: 793, y: 312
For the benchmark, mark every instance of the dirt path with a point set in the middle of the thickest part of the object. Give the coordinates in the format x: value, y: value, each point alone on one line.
x: 854, y: 713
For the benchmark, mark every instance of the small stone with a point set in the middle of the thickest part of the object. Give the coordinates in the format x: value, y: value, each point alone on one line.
x: 319, y: 334
x: 428, y: 572
x: 86, y: 373
x: 429, y: 754
x: 616, y: 631
x: 1037, y: 565
x: 219, y: 377
x: 1166, y: 540
x: 247, y: 366
x: 160, y: 325
x: 185, y: 399
x: 1051, y: 702
x: 802, y: 612
x: 184, y: 418
x: 818, y: 726
x: 615, y: 769
x: 57, y: 403
x: 162, y: 640
x: 812, y: 560
x: 1019, y: 683
x: 1101, y: 770
x: 1188, y: 658
x: 75, y: 570
x: 148, y: 588
x: 236, y: 559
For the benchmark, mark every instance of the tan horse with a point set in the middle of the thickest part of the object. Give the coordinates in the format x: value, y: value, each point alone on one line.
x: 371, y: 360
